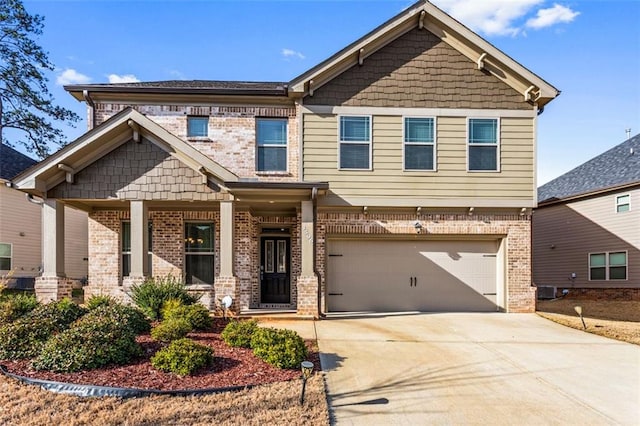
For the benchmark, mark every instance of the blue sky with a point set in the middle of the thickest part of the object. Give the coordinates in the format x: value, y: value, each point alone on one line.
x: 590, y: 50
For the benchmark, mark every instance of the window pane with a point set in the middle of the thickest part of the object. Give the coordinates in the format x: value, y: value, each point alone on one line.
x: 271, y: 132
x: 126, y: 265
x: 126, y: 236
x: 5, y: 264
x: 418, y: 130
x: 418, y: 157
x: 617, y: 259
x: 199, y: 269
x: 483, y: 131
x: 622, y: 208
x: 618, y: 273
x: 268, y: 256
x: 622, y: 203
x: 354, y: 129
x: 5, y: 250
x: 483, y: 158
x: 598, y: 259
x: 354, y: 156
x: 598, y: 274
x: 198, y: 237
x: 282, y: 257
x: 272, y: 158
x: 197, y: 126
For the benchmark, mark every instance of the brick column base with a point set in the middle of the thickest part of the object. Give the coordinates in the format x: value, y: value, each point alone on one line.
x: 206, y: 293
x: 49, y: 289
x: 228, y: 286
x: 122, y: 293
x: 308, y: 296
x: 522, y: 301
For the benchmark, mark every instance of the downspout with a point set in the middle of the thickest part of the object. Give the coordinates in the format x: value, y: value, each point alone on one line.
x: 92, y: 109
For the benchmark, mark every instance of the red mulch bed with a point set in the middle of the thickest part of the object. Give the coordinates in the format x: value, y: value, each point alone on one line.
x: 231, y: 367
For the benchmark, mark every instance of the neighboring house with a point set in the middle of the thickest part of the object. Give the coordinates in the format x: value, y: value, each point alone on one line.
x: 586, y: 229
x: 21, y: 229
x: 398, y: 174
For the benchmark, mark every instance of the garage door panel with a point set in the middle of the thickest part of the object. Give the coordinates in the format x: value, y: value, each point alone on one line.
x: 411, y: 275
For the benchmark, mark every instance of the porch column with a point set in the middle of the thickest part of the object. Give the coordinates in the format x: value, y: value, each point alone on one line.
x: 52, y: 284
x: 139, y: 239
x: 307, y: 281
x: 227, y: 284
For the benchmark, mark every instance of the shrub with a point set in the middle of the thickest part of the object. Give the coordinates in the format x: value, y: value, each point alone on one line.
x: 239, y: 333
x: 94, y: 341
x: 197, y: 315
x: 25, y: 337
x: 16, y: 306
x: 98, y: 300
x: 182, y: 357
x: 131, y: 317
x: 170, y: 330
x: 280, y: 348
x: 153, y: 293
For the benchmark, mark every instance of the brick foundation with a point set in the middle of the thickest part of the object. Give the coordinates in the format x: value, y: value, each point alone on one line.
x: 228, y: 286
x: 625, y: 294
x: 49, y: 289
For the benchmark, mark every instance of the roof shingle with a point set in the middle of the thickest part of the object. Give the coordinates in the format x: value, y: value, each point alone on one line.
x: 618, y: 166
x: 13, y: 162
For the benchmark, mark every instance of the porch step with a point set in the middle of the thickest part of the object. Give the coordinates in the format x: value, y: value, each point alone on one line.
x: 283, y: 314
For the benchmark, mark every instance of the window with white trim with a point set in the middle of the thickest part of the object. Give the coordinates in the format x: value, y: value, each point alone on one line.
x: 355, y: 142
x: 126, y: 247
x: 608, y: 266
x: 197, y: 127
x: 199, y: 251
x: 483, y: 144
x: 419, y: 143
x: 271, y: 138
x: 5, y: 256
x: 623, y: 203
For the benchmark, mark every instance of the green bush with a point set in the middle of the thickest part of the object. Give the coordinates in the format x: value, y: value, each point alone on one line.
x: 197, y: 315
x: 153, y: 293
x: 98, y: 300
x: 94, y: 341
x: 170, y: 330
x: 182, y: 357
x: 25, y: 337
x: 280, y: 348
x: 130, y: 316
x: 16, y: 306
x: 238, y: 333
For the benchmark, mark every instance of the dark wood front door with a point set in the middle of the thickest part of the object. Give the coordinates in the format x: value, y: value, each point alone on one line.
x: 274, y: 270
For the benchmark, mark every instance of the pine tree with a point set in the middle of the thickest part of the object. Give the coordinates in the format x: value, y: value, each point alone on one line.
x: 26, y: 104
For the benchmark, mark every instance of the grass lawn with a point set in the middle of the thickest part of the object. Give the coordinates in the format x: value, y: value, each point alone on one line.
x: 618, y: 320
x: 269, y: 404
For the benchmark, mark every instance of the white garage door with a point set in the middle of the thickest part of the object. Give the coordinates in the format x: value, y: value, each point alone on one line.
x: 389, y: 276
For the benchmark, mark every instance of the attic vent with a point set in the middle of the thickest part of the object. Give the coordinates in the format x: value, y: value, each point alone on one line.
x: 546, y: 292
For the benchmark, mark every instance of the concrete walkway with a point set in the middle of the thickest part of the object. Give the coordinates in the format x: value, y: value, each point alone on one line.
x: 473, y: 369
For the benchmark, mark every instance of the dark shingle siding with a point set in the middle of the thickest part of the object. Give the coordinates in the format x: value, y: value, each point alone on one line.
x: 13, y: 162
x: 617, y: 166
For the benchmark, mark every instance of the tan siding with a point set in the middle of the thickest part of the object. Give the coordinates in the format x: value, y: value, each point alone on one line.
x: 75, y: 243
x: 387, y: 179
x: 580, y: 228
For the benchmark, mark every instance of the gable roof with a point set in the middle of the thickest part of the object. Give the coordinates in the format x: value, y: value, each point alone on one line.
x: 425, y: 15
x: 619, y: 166
x: 126, y: 125
x: 13, y: 162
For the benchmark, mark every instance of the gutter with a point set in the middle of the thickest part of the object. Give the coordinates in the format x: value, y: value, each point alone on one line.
x: 314, y: 198
x: 92, y: 109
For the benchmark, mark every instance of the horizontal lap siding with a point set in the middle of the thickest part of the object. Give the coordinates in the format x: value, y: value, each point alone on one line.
x: 451, y: 178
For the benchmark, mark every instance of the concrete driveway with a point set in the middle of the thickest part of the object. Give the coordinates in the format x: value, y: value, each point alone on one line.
x: 475, y: 369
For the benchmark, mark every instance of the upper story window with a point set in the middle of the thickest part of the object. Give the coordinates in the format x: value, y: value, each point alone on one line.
x: 5, y: 257
x: 623, y: 203
x: 483, y: 145
x: 608, y: 266
x: 419, y: 143
x: 355, y: 142
x: 271, y: 137
x: 197, y: 127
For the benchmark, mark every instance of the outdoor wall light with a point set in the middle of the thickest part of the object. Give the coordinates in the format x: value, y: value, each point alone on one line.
x: 418, y: 226
x: 307, y: 369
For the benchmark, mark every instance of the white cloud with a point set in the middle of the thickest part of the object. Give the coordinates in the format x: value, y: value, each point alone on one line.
x: 178, y: 75
x: 126, y: 78
x: 551, y: 16
x: 288, y: 53
x: 71, y: 76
